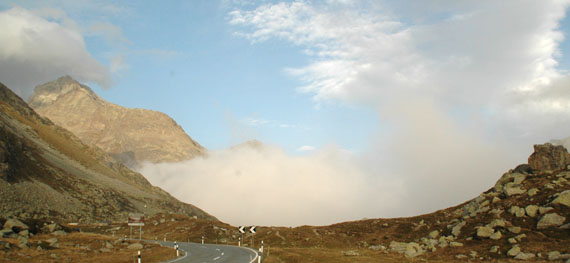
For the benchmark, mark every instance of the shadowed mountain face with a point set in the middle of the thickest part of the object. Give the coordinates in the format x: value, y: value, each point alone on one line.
x: 47, y: 172
x: 130, y: 135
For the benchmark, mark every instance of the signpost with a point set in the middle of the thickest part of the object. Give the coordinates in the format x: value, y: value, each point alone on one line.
x: 136, y: 220
x: 252, y: 231
x: 241, y: 230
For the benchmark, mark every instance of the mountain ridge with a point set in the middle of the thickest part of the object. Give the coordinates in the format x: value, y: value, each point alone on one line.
x: 130, y: 135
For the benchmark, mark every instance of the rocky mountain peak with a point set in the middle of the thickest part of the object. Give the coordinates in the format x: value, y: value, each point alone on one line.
x: 48, y: 93
x: 548, y: 157
x: 132, y: 136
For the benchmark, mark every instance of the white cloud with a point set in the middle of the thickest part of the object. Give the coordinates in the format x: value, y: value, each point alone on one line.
x: 462, y: 88
x: 255, y: 184
x: 112, y: 33
x: 306, y: 148
x: 34, y: 51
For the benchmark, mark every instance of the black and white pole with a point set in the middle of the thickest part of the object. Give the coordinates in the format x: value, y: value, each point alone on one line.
x: 261, y: 248
x: 202, y: 240
x: 176, y: 247
x: 241, y: 230
x: 252, y: 231
x: 239, y: 241
x: 139, y: 260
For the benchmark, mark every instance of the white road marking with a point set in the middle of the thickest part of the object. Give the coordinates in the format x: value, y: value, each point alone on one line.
x: 216, y: 258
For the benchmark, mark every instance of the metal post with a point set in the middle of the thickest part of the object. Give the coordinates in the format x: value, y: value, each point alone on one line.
x: 176, y: 247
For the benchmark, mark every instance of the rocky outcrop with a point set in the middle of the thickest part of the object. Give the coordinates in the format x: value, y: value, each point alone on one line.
x: 547, y: 157
x: 130, y: 135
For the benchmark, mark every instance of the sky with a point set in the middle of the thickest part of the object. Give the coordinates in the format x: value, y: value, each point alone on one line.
x: 365, y: 108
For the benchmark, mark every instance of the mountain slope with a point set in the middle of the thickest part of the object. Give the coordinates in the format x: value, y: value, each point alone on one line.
x: 47, y: 172
x: 130, y: 135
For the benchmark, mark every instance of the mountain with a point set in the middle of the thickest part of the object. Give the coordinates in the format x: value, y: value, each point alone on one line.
x: 129, y: 135
x: 47, y: 172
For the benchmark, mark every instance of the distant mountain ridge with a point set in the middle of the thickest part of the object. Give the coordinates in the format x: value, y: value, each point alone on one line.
x: 47, y: 172
x: 132, y: 136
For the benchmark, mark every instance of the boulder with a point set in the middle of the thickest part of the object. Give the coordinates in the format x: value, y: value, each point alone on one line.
x: 547, y: 157
x: 456, y: 230
x: 50, y: 228
x: 485, y: 231
x: 377, y: 248
x: 410, y: 250
x: 517, y: 211
x: 515, y: 250
x: 59, y: 233
x: 544, y: 210
x: 525, y: 256
x: 15, y: 225
x: 6, y: 233
x: 563, y: 199
x: 497, y: 223
x: 553, y: 255
x: 531, y: 210
x: 532, y: 192
x: 433, y: 234
x: 494, y: 249
x: 550, y: 220
x: 496, y: 236
x: 515, y: 229
x: 350, y: 253
x: 455, y: 244
x: 23, y: 242
x: 511, y: 189
x: 135, y: 246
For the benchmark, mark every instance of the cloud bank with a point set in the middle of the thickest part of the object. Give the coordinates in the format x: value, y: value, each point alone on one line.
x: 462, y: 91
x: 34, y: 50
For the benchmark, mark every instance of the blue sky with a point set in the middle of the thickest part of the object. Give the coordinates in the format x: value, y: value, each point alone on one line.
x: 389, y: 100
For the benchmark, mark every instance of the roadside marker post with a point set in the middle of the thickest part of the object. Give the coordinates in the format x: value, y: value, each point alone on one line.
x: 139, y: 257
x: 241, y: 230
x: 252, y: 231
x: 176, y: 247
x: 239, y: 241
x: 202, y: 240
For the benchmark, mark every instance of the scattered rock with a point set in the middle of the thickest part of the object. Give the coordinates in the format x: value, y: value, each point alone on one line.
x: 433, y: 234
x: 377, y: 248
x: 512, y: 240
x: 511, y: 189
x: 59, y: 233
x: 495, y: 200
x: 135, y: 246
x: 517, y: 211
x: 50, y: 228
x: 105, y: 250
x: 456, y: 230
x: 544, y: 210
x: 553, y: 255
x: 525, y: 256
x: 15, y: 225
x: 460, y: 256
x: 515, y: 250
x: 563, y: 199
x: 108, y: 244
x: 494, y: 249
x: 531, y: 210
x: 23, y: 242
x: 455, y: 244
x: 520, y: 237
x: 550, y: 220
x: 515, y: 229
x: 410, y: 250
x: 484, y: 231
x: 496, y: 223
x: 496, y: 236
x: 350, y: 253
x: 532, y: 192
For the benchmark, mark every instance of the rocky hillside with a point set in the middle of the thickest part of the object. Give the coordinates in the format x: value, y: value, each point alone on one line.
x: 525, y: 216
x: 130, y: 135
x: 47, y: 172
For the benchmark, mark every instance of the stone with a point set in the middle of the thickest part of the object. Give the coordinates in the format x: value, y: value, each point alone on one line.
x: 456, y: 230
x: 495, y: 200
x: 544, y: 210
x: 547, y: 157
x: 108, y: 244
x: 350, y: 253
x: 515, y: 250
x: 15, y: 225
x: 494, y: 249
x: 553, y: 255
x: 515, y: 229
x: 496, y: 236
x: 50, y: 228
x: 460, y: 256
x: 410, y: 250
x: 484, y: 231
x: 532, y: 192
x: 511, y: 189
x: 473, y: 254
x: 550, y: 220
x: 517, y: 211
x: 520, y: 237
x: 512, y: 240
x: 23, y: 242
x: 531, y: 210
x: 525, y: 256
x: 496, y: 223
x: 455, y: 244
x: 59, y: 233
x: 563, y: 199
x: 135, y: 246
x: 433, y: 234
x: 377, y: 248
x: 6, y: 232
x: 105, y: 250
x: 518, y: 178
x: 24, y: 233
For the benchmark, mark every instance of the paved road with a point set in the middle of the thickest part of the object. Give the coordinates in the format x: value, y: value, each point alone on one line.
x: 198, y: 253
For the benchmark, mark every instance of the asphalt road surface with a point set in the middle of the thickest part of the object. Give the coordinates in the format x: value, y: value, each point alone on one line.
x: 198, y: 253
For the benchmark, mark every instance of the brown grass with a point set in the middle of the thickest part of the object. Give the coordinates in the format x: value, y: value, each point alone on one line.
x: 82, y: 247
